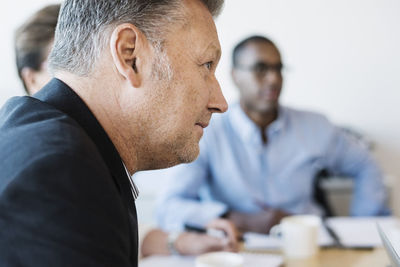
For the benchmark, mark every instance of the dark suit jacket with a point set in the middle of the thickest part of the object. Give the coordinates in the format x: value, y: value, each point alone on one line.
x: 65, y: 198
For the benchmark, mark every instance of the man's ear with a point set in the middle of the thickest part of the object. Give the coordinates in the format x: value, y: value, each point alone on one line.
x: 128, y: 48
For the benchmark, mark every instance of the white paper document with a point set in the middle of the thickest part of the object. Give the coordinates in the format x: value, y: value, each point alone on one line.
x: 354, y: 232
x: 260, y: 242
x: 360, y: 231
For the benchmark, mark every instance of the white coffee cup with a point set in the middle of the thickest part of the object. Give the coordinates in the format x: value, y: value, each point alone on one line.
x: 220, y: 259
x: 299, y: 234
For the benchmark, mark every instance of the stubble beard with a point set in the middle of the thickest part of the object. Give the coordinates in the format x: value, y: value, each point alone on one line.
x: 174, y: 150
x: 189, y: 149
x: 184, y: 147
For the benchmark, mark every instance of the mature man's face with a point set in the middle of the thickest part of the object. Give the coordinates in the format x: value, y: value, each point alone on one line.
x: 182, y: 105
x: 258, y: 76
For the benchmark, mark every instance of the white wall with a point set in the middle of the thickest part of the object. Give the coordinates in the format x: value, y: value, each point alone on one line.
x: 343, y: 58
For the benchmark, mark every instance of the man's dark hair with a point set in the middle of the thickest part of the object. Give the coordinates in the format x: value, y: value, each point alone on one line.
x: 33, y: 38
x: 242, y: 44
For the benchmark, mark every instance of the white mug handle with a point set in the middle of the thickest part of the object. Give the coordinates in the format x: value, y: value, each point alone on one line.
x: 276, y: 231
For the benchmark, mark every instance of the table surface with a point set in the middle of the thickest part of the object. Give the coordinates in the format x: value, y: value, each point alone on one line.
x: 326, y: 258
x: 340, y: 257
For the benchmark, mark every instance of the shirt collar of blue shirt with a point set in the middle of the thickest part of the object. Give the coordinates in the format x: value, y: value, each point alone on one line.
x: 247, y: 130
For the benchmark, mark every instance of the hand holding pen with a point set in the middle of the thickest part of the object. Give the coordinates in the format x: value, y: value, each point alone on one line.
x: 220, y: 234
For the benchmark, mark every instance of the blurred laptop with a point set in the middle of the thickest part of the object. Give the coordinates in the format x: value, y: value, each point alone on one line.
x: 391, y: 242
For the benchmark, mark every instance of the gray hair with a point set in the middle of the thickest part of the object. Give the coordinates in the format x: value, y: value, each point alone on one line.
x: 161, y: 67
x: 84, y: 27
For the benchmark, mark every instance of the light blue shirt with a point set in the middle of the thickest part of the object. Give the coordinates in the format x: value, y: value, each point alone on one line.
x: 236, y: 171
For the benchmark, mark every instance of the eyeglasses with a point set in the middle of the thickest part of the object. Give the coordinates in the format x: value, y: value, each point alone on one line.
x: 261, y: 68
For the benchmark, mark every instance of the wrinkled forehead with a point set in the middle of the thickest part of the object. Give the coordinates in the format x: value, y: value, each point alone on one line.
x: 258, y: 51
x: 196, y: 31
x: 199, y: 17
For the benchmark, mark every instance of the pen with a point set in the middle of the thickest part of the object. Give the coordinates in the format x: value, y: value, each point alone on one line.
x: 209, y: 231
x: 332, y: 233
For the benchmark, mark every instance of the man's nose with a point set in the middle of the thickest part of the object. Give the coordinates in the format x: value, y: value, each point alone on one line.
x: 217, y: 102
x: 272, y: 76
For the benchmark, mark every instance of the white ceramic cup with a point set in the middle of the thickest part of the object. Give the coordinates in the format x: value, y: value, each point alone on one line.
x: 299, y: 234
x: 220, y: 259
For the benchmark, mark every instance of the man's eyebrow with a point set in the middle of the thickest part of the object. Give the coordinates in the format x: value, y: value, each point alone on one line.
x: 213, y: 50
x: 218, y: 53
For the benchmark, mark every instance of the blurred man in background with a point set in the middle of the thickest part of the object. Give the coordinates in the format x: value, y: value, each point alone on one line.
x: 258, y: 162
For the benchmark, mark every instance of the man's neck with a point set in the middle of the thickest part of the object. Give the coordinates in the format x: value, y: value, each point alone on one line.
x: 262, y: 119
x: 104, y: 108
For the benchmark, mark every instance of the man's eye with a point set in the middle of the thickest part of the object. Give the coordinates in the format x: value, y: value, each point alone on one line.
x: 208, y: 65
x: 261, y: 68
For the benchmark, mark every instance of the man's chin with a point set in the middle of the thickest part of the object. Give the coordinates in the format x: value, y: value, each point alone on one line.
x: 186, y: 155
x: 189, y: 154
x: 173, y: 156
x: 267, y: 108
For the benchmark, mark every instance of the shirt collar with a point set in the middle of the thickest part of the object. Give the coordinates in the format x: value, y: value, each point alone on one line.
x: 243, y: 125
x: 248, y: 130
x: 280, y: 122
x: 134, y: 189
